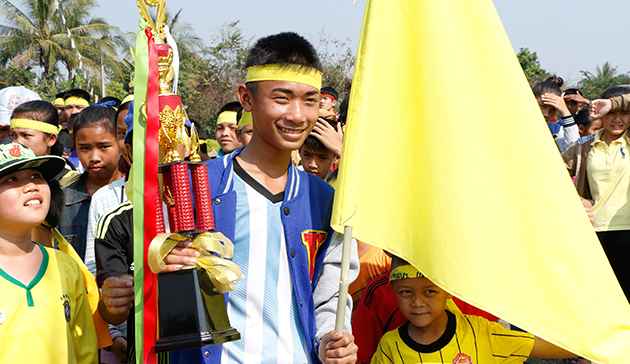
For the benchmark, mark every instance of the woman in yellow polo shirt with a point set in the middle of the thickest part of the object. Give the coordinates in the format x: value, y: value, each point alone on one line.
x: 602, y: 169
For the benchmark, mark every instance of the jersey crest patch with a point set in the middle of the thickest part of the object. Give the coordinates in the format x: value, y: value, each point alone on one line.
x: 462, y: 359
x: 66, y: 306
x: 312, y: 240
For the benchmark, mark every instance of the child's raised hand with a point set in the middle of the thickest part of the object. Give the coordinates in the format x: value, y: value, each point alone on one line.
x: 557, y: 102
x: 338, y: 348
x: 599, y: 108
x: 331, y: 138
x: 576, y: 98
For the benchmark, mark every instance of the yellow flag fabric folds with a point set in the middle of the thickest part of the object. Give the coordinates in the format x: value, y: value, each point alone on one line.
x: 472, y: 189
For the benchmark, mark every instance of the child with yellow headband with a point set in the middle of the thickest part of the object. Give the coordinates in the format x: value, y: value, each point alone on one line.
x: 36, y: 125
x: 75, y: 100
x: 227, y: 128
x: 437, y: 332
x: 245, y: 127
x: 279, y: 220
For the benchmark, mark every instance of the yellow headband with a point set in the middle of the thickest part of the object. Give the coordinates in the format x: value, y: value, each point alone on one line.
x: 36, y: 125
x: 227, y: 117
x: 404, y: 272
x: 127, y: 99
x: 212, y: 144
x: 246, y: 119
x: 58, y: 101
x: 73, y: 100
x: 275, y: 72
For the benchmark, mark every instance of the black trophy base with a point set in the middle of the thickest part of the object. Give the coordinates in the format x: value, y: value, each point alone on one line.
x: 198, y: 341
x: 192, y: 314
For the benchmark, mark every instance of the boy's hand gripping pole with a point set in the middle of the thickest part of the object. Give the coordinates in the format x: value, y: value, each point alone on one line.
x: 343, y: 281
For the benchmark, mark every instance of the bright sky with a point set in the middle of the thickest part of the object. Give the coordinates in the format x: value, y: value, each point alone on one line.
x: 567, y: 35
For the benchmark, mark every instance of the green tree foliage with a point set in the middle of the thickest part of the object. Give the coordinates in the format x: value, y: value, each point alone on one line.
x: 15, y: 76
x: 209, y: 78
x: 38, y: 37
x: 338, y: 61
x: 593, y: 84
x: 531, y: 67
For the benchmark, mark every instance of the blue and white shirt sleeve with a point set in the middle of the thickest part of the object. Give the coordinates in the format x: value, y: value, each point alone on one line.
x: 569, y: 133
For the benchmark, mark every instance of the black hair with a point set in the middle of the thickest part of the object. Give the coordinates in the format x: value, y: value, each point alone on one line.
x: 398, y: 262
x: 582, y: 118
x: 95, y: 115
x: 60, y: 95
x: 331, y: 91
x: 41, y: 111
x: 343, y: 110
x: 546, y: 87
x: 555, y: 79
x: 573, y: 91
x: 315, y: 143
x: 129, y: 138
x: 57, y: 203
x: 230, y: 106
x: 64, y: 139
x: 105, y: 99
x: 285, y: 49
x: 77, y: 92
x: 614, y: 91
x: 123, y: 108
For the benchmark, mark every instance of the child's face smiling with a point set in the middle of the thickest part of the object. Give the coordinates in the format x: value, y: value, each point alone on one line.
x: 616, y: 123
x: 284, y: 113
x: 421, y: 302
x: 25, y: 197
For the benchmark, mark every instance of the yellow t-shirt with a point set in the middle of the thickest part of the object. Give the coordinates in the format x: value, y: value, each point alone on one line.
x: 57, y: 326
x: 467, y: 340
x: 608, y: 173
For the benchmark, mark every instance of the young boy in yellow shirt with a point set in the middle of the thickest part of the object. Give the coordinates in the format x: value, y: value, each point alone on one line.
x: 435, y: 334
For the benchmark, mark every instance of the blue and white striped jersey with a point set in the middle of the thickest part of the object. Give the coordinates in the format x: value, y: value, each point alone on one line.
x: 262, y: 307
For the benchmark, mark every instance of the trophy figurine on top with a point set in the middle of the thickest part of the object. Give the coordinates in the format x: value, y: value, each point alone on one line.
x: 191, y: 303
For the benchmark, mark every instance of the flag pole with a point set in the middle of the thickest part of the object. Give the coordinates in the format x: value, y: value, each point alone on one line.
x: 343, y: 280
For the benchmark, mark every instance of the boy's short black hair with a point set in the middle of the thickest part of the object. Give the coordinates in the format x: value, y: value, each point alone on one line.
x: 286, y: 49
x: 230, y: 106
x: 77, y: 92
x: 582, y: 118
x: 95, y: 115
x: 315, y: 143
x: 615, y: 91
x: 545, y: 87
x: 60, y: 95
x: 573, y: 91
x: 398, y: 262
x: 331, y: 91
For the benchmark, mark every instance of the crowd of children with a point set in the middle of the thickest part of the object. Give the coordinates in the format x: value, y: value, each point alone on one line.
x: 66, y: 227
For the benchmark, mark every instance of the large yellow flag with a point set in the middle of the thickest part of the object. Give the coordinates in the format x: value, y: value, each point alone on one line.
x: 469, y: 186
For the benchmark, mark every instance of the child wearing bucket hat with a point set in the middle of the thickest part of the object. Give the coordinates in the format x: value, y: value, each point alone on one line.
x: 44, y: 297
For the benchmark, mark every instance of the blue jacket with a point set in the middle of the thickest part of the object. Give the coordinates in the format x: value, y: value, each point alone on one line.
x: 306, y: 211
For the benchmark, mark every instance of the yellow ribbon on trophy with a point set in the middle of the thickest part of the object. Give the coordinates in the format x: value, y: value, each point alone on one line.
x: 215, y: 250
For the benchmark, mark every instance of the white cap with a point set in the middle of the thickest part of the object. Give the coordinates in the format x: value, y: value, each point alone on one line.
x: 12, y: 97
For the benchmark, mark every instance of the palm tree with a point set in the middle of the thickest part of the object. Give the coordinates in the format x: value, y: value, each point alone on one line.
x: 38, y: 36
x: 593, y: 84
x: 183, y: 33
